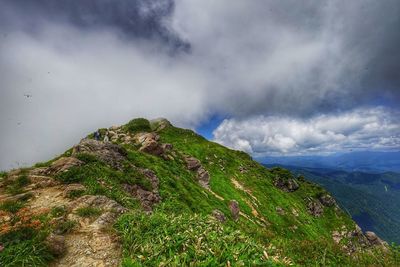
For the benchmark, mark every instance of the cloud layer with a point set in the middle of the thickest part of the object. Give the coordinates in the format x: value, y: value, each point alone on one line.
x: 94, y: 63
x: 360, y: 129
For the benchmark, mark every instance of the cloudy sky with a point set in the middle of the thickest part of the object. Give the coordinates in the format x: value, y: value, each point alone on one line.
x: 281, y: 77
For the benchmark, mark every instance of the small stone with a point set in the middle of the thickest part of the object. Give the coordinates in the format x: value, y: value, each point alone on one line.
x: 234, y: 208
x: 219, y: 215
x: 56, y: 244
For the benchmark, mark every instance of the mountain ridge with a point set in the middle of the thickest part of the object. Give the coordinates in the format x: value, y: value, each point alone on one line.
x: 157, y: 195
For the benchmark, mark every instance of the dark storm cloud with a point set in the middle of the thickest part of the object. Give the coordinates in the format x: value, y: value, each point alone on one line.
x: 90, y: 64
x: 134, y: 18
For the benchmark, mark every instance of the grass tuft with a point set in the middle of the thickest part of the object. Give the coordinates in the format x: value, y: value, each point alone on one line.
x: 88, y: 212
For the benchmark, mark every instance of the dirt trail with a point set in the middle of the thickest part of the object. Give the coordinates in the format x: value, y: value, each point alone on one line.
x: 91, y: 243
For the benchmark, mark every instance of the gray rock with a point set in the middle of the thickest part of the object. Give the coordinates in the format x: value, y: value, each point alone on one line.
x: 235, y: 210
x: 287, y: 185
x: 327, y: 200
x: 110, y: 153
x: 315, y: 208
x: 56, y: 244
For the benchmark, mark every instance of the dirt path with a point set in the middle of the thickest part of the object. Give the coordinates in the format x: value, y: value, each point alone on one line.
x: 92, y: 242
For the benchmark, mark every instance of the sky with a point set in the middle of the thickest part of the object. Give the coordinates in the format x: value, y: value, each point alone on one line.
x: 266, y: 77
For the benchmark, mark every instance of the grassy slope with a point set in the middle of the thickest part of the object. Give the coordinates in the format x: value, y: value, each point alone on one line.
x: 180, y: 230
x: 367, y: 197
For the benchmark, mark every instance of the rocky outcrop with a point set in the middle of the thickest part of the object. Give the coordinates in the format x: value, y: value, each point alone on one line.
x: 235, y: 210
x: 315, y: 208
x: 327, y: 200
x: 192, y: 163
x: 374, y: 240
x: 146, y: 198
x: 111, y: 154
x: 203, y: 177
x: 287, y: 185
x: 61, y: 165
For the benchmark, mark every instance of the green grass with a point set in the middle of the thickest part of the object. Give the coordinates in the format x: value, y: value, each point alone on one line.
x: 180, y: 231
x: 16, y: 187
x: 88, y: 212
x: 138, y: 125
x: 180, y: 240
x: 11, y: 206
x: 64, y: 227
x: 58, y: 211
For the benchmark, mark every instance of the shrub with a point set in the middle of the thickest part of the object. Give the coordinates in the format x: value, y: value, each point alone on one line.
x: 88, y: 212
x: 15, y: 187
x: 87, y: 158
x: 11, y: 206
x: 138, y: 125
x: 64, y: 227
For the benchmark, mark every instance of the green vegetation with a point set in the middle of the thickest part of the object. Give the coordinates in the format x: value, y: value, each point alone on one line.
x: 24, y: 247
x: 275, y: 227
x: 183, y: 240
x: 16, y: 186
x: 64, y: 227
x: 11, y: 206
x: 58, y: 211
x: 138, y: 125
x: 88, y: 212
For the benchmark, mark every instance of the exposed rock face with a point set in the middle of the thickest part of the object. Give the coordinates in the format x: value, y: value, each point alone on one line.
x: 111, y: 154
x: 56, y: 244
x: 235, y: 210
x: 315, y: 208
x: 217, y: 214
x: 327, y: 200
x: 61, y: 165
x: 149, y: 143
x: 203, y: 176
x: 147, y: 198
x: 287, y: 185
x: 374, y: 240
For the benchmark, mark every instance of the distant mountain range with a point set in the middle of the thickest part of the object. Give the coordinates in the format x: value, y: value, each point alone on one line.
x: 366, y: 161
x: 372, y: 199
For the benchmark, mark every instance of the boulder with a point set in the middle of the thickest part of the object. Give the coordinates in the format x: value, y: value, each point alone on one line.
x: 315, y: 208
x: 152, y: 147
x: 287, y: 185
x: 203, y: 177
x: 56, y: 244
x: 374, y: 240
x: 235, y: 210
x: 111, y: 154
x: 192, y: 163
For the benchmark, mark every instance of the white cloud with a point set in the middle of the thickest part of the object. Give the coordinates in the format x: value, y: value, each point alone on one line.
x: 363, y: 128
